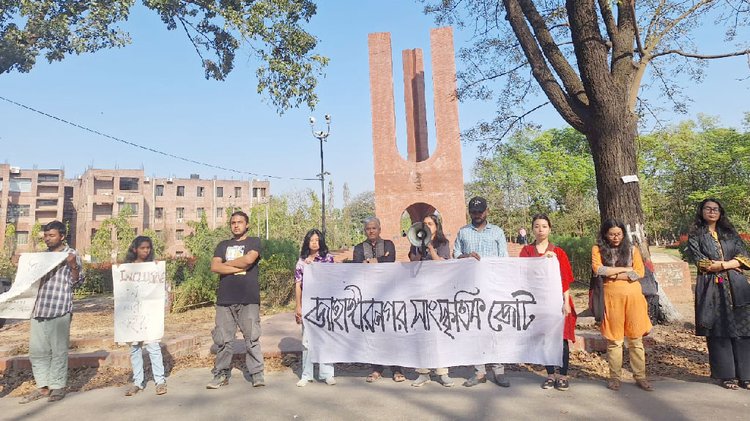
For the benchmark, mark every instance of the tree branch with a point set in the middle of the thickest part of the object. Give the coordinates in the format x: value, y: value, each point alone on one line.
x: 609, y: 19
x: 679, y: 19
x: 638, y: 42
x: 572, y: 111
x: 564, y: 70
x: 700, y: 56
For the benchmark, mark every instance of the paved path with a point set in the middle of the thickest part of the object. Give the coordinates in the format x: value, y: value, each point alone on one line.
x: 352, y: 398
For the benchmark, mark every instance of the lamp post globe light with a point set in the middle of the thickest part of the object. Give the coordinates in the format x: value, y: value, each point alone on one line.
x: 322, y: 136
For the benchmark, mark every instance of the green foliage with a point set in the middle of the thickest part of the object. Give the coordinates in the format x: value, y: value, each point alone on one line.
x: 199, y: 288
x: 276, y: 279
x: 9, y: 247
x: 37, y: 243
x: 288, y: 68
x: 549, y: 172
x: 683, y: 165
x: 7, y: 267
x: 178, y: 269
x: 103, y: 245
x: 97, y: 279
x: 578, y: 250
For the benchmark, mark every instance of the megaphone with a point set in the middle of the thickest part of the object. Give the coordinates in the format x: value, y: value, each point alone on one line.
x: 419, y: 235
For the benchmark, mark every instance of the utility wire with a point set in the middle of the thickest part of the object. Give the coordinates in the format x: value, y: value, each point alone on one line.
x: 146, y: 148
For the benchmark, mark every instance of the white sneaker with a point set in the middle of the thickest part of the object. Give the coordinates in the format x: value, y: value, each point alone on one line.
x: 331, y: 381
x: 303, y: 382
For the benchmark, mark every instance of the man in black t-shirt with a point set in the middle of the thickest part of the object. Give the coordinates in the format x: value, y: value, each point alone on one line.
x: 237, y: 302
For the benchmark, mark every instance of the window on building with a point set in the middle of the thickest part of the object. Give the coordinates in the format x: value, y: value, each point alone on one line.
x: 199, y: 191
x: 129, y: 183
x: 22, y: 238
x: 238, y: 192
x: 219, y: 213
x: 40, y: 203
x: 132, y: 206
x: 159, y: 190
x: 259, y: 192
x: 158, y: 213
x: 220, y: 192
x: 17, y: 211
x: 179, y: 234
x: 20, y: 185
x: 48, y: 178
x: 200, y: 212
x: 68, y: 193
x: 180, y: 213
x: 180, y: 190
x: 179, y: 253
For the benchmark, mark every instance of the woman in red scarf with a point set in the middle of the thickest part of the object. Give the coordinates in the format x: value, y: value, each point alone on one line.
x: 541, y: 227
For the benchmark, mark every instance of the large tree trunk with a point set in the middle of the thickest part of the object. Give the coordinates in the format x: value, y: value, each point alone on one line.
x: 613, y: 147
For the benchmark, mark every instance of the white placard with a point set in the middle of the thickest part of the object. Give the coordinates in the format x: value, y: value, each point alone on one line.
x: 139, y: 301
x: 19, y: 301
x: 435, y: 314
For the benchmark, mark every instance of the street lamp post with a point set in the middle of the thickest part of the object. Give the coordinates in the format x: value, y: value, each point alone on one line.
x: 322, y: 136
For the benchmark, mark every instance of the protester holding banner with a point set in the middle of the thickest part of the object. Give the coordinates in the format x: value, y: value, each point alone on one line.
x: 314, y: 250
x: 437, y: 249
x: 481, y: 239
x: 541, y: 227
x: 722, y: 294
x: 376, y: 250
x: 237, y: 302
x: 50, y: 322
x: 625, y: 308
x: 142, y: 250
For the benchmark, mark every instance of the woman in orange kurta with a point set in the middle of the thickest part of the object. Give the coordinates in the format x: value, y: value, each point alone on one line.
x: 541, y: 227
x: 626, y: 311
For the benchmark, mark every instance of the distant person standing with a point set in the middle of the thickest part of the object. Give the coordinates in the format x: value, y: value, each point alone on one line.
x: 237, y: 302
x: 142, y: 250
x: 522, y: 238
x: 50, y: 321
x: 481, y: 239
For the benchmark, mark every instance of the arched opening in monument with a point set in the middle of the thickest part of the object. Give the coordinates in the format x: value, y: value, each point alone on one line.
x: 416, y: 213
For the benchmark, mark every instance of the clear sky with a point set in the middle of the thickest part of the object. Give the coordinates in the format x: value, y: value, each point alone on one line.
x: 153, y: 93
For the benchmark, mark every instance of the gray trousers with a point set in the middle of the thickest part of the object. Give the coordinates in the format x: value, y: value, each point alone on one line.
x: 48, y: 351
x: 246, y: 317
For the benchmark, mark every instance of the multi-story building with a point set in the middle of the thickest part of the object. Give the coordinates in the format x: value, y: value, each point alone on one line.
x: 162, y: 204
x: 27, y: 197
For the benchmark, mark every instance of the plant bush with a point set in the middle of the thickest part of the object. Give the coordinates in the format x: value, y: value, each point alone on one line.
x: 97, y: 279
x: 277, y: 271
x: 199, y: 287
x: 579, y: 253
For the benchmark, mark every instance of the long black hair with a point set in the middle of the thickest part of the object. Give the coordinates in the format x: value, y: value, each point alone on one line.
x: 439, y: 235
x: 724, y: 226
x: 131, y: 256
x: 620, y: 256
x: 305, y: 251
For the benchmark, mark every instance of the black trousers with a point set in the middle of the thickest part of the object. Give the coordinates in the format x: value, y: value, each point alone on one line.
x: 729, y: 357
x: 565, y: 361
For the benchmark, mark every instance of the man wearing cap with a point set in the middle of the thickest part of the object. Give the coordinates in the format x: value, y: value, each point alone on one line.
x: 481, y: 239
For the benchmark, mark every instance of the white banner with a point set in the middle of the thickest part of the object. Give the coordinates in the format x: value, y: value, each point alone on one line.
x: 435, y: 314
x: 19, y: 301
x: 139, y: 290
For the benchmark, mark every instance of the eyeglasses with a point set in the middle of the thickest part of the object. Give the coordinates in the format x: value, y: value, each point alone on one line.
x: 709, y: 209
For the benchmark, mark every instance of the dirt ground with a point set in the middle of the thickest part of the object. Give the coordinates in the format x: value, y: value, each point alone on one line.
x: 677, y: 353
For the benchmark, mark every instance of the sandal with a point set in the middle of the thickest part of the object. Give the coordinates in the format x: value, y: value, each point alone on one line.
x: 398, y: 377
x: 613, y: 384
x: 644, y: 384
x: 549, y: 383
x: 562, y: 385
x: 744, y: 384
x: 35, y: 395
x: 729, y: 384
x: 56, y: 395
x: 132, y: 390
x: 374, y: 376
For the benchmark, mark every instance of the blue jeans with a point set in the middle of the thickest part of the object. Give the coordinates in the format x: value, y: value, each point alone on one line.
x: 157, y: 364
x: 325, y: 370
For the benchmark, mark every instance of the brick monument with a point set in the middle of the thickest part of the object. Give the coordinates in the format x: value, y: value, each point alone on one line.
x: 422, y: 183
